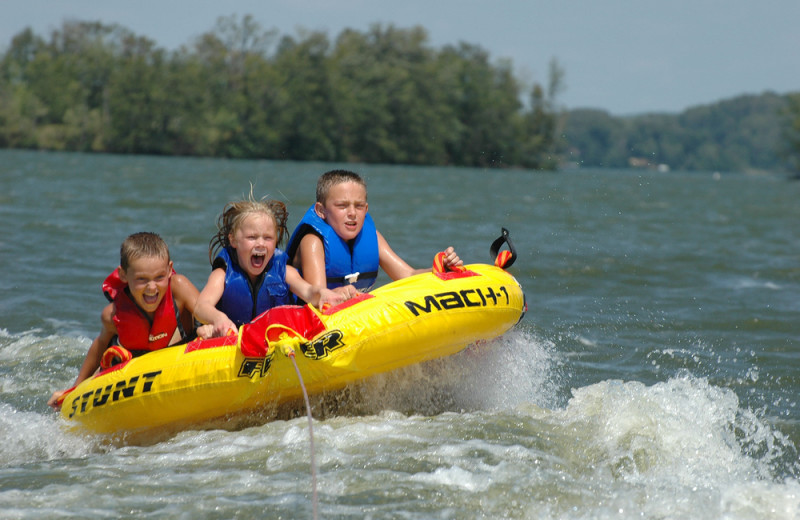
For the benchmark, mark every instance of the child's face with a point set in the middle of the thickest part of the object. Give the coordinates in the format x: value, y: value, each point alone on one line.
x: 148, y: 279
x: 344, y: 209
x: 254, y: 240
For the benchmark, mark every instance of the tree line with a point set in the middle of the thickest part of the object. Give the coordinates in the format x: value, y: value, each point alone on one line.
x: 240, y: 91
x: 380, y: 96
x: 745, y: 133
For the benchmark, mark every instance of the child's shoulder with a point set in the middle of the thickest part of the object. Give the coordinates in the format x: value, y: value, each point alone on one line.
x: 181, y: 284
x: 107, y: 314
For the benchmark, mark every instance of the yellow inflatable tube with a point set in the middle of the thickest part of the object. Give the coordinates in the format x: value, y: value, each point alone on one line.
x: 405, y: 322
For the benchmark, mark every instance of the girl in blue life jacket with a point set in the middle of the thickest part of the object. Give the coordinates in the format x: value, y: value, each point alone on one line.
x: 249, y: 273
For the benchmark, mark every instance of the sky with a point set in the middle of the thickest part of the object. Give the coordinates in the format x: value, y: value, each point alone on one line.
x: 623, y: 56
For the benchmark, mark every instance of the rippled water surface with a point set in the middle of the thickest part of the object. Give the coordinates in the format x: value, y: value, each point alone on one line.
x: 655, y: 374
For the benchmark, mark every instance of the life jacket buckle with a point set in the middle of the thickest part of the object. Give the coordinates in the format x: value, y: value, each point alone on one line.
x: 351, y: 278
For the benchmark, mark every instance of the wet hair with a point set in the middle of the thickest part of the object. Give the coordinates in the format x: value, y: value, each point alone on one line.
x: 331, y: 178
x: 234, y: 214
x: 140, y: 245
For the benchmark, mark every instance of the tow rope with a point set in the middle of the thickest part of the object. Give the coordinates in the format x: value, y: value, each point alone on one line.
x: 289, y: 352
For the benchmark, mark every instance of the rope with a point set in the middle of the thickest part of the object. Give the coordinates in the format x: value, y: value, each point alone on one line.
x: 314, y: 500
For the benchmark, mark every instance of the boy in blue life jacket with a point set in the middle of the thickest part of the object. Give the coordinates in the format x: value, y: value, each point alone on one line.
x: 336, y: 242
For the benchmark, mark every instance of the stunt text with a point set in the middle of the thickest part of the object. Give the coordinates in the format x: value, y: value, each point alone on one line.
x: 114, y: 392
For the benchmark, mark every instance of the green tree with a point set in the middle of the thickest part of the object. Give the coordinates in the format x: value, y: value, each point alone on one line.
x: 304, y: 112
x: 595, y: 138
x: 739, y: 134
x: 383, y: 95
x: 137, y: 101
x: 542, y: 123
x: 791, y: 132
x: 388, y: 103
x: 232, y: 88
x: 486, y: 104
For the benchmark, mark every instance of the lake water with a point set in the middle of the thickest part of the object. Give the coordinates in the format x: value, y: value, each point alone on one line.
x: 655, y: 375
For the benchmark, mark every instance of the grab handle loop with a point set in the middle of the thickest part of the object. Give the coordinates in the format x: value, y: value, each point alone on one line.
x: 115, y: 355
x: 503, y: 259
x: 439, y: 267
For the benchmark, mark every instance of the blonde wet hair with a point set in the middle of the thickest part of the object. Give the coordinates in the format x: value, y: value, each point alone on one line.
x: 142, y: 245
x: 234, y: 213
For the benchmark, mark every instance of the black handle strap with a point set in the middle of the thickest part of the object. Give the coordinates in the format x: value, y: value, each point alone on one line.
x: 494, y: 250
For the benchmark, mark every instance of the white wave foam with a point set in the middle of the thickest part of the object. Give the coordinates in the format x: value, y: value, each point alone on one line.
x: 29, y: 436
x: 454, y: 477
x: 683, y: 437
x: 501, y: 373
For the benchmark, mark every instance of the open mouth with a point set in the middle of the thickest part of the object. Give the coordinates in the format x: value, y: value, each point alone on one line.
x: 257, y: 260
x: 150, y: 299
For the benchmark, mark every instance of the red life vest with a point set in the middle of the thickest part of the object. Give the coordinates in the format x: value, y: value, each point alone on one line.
x: 134, y: 327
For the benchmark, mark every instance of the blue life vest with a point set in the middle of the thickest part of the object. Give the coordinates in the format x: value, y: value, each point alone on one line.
x: 240, y: 300
x: 342, y: 260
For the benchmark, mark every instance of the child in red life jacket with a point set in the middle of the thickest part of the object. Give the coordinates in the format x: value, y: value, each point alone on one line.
x: 336, y: 242
x: 249, y: 273
x: 151, y: 306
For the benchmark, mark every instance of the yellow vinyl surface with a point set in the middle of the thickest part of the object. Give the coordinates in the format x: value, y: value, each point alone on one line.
x: 412, y: 320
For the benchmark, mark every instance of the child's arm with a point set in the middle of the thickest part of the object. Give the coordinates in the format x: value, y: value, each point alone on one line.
x: 315, y: 295
x: 397, y: 268
x: 185, y: 293
x: 92, y: 361
x: 206, y: 309
x: 312, y: 258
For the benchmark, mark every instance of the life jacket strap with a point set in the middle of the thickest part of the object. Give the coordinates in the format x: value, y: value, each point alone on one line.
x: 351, y: 278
